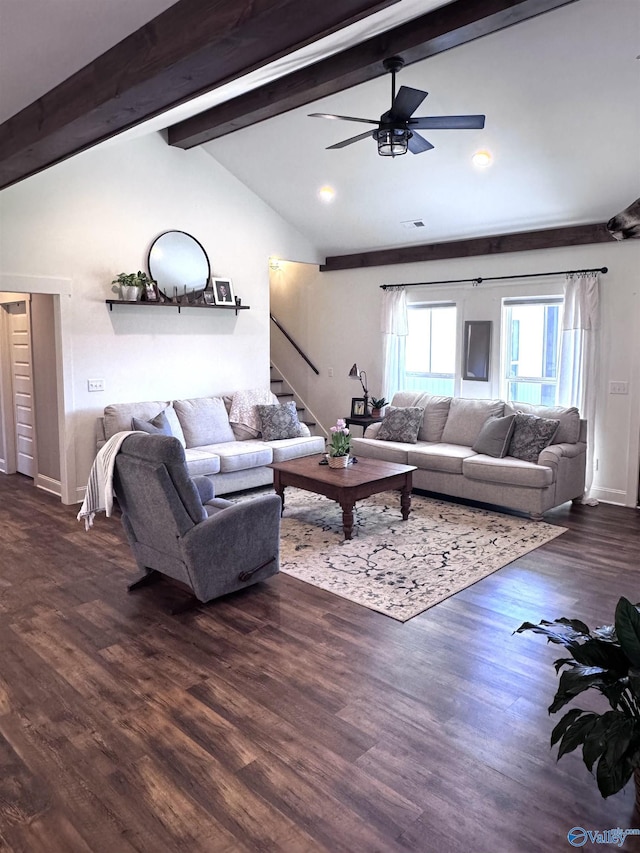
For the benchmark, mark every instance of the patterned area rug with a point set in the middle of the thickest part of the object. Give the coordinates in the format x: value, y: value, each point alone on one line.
x: 400, y: 568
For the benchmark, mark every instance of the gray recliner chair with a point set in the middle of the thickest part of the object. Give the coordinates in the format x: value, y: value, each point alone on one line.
x: 176, y: 527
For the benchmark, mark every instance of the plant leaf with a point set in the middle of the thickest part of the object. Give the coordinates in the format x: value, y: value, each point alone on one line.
x: 564, y: 637
x: 573, y: 682
x: 634, y: 683
x: 628, y: 630
x: 560, y: 728
x: 611, y: 778
x: 576, y: 734
x: 598, y: 653
x: 578, y: 626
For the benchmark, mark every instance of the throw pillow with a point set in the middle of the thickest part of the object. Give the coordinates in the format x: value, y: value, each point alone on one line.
x: 156, y: 426
x: 494, y: 437
x: 531, y: 435
x: 279, y: 422
x: 401, y: 424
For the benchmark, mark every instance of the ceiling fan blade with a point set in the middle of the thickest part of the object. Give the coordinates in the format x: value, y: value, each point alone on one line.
x: 418, y: 144
x: 343, y: 118
x: 447, y: 122
x: 352, y: 139
x: 406, y: 101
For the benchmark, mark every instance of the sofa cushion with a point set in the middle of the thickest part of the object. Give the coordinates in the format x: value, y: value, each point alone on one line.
x: 240, y: 455
x: 495, y: 435
x: 201, y: 461
x: 292, y: 448
x: 508, y: 471
x: 569, y: 417
x: 401, y: 424
x: 387, y: 451
x: 402, y: 399
x: 279, y: 421
x: 436, y: 411
x: 447, y: 458
x: 204, y: 421
x: 156, y: 426
x: 531, y: 435
x: 467, y: 417
x: 118, y: 416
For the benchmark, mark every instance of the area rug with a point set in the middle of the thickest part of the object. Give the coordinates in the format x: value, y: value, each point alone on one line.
x: 400, y: 568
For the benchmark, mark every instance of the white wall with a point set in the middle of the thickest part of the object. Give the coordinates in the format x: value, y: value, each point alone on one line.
x: 340, y: 322
x: 94, y: 216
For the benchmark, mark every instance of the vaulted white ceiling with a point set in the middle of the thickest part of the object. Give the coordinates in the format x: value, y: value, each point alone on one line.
x: 561, y: 93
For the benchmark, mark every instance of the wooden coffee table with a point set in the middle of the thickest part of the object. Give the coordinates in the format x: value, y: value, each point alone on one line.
x: 345, y: 485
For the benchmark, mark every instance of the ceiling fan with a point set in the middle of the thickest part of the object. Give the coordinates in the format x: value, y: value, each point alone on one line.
x: 396, y: 131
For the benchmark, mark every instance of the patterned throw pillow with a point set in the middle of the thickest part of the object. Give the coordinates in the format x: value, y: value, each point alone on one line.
x: 494, y: 437
x: 401, y: 424
x: 531, y: 435
x: 279, y: 422
x: 156, y: 426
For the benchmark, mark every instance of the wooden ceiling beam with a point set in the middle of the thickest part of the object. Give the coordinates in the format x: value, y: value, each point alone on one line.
x: 192, y: 47
x: 523, y: 241
x: 448, y: 26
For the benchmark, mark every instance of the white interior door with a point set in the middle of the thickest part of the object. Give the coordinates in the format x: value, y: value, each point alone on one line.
x: 22, y: 385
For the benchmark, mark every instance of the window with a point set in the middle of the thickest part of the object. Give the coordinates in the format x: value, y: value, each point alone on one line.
x: 430, y: 355
x: 531, y: 334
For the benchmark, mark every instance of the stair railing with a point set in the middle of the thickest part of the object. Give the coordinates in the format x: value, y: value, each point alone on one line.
x: 295, y: 345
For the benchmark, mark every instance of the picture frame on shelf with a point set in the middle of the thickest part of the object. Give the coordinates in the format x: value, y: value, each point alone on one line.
x: 358, y: 409
x: 150, y: 291
x: 223, y: 292
x: 208, y: 297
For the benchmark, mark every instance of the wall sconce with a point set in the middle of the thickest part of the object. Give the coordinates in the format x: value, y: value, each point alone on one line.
x: 354, y: 373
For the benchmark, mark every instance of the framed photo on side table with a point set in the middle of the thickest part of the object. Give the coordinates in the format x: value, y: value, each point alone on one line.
x: 223, y: 292
x: 357, y: 407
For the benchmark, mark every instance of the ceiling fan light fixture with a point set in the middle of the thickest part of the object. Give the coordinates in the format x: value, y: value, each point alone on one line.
x: 392, y: 141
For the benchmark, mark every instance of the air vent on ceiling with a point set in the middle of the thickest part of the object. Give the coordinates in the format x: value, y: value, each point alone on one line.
x: 413, y: 223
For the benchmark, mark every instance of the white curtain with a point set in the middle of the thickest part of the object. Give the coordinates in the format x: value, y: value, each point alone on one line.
x: 394, y: 327
x: 578, y: 374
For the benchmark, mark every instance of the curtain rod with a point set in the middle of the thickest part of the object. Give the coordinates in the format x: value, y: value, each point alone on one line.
x: 479, y: 280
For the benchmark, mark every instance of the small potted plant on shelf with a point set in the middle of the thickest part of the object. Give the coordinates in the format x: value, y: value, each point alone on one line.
x: 131, y: 285
x: 607, y: 660
x: 340, y: 445
x: 377, y: 405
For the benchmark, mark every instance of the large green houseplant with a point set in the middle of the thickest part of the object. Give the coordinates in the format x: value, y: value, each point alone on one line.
x: 607, y: 660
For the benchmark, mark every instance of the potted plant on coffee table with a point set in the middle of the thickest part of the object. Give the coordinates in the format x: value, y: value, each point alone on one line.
x: 377, y: 405
x: 606, y: 660
x: 130, y: 285
x: 340, y: 445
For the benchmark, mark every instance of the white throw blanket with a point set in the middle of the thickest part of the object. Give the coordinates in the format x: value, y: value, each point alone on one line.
x: 99, y: 495
x: 243, y: 408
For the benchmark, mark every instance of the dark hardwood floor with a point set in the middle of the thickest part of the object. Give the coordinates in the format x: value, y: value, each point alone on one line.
x: 284, y: 718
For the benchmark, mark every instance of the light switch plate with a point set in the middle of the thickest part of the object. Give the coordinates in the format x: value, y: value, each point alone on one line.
x: 618, y: 387
x: 95, y: 384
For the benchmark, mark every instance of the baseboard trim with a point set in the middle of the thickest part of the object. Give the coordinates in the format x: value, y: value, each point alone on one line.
x: 48, y: 484
x: 618, y: 497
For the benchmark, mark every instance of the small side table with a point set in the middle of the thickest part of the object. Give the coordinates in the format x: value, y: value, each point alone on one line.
x: 363, y: 422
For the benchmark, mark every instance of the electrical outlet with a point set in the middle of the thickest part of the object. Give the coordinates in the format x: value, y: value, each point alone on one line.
x: 95, y: 384
x: 330, y: 372
x: 618, y: 387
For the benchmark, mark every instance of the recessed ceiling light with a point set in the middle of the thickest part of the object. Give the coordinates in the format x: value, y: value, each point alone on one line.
x: 482, y: 159
x: 326, y: 194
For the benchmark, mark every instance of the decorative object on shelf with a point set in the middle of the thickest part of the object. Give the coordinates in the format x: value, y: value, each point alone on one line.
x: 354, y: 373
x: 477, y: 350
x: 607, y: 660
x: 377, y: 405
x: 340, y: 445
x: 150, y: 292
x: 208, y: 297
x: 177, y: 261
x: 223, y: 292
x: 130, y: 285
x: 358, y: 407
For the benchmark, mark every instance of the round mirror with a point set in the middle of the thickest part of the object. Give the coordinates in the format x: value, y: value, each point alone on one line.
x: 178, y: 261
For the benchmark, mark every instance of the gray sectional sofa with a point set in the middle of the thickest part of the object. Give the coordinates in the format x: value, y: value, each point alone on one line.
x: 447, y: 463
x: 231, y: 455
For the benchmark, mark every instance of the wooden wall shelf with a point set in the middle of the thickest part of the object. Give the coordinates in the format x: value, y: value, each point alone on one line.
x: 179, y: 306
